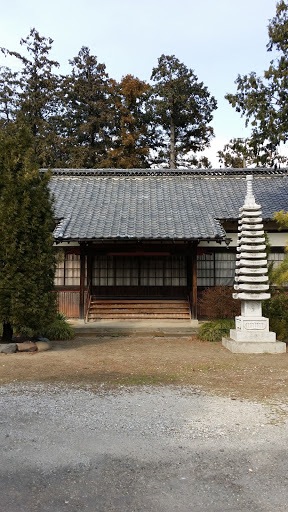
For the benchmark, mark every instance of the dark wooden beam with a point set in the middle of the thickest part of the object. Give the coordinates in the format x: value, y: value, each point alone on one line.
x: 193, y: 299
x: 130, y: 248
x: 189, y: 263
x: 89, y: 268
x: 82, y: 280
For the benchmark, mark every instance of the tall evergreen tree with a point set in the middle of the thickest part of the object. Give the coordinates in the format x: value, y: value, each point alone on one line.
x: 183, y: 110
x: 133, y: 136
x: 263, y: 101
x: 89, y: 118
x: 35, y: 94
x: 9, y: 83
x: 27, y: 260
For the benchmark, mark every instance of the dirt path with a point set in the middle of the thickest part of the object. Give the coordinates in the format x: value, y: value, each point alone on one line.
x: 116, y: 360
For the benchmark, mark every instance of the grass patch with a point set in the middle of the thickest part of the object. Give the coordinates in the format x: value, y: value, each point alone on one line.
x: 149, y: 380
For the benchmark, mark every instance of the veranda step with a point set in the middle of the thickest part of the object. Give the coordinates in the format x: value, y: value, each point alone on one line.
x: 135, y: 301
x: 138, y: 316
x: 138, y: 309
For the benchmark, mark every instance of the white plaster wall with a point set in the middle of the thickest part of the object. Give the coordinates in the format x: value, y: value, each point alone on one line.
x: 66, y: 244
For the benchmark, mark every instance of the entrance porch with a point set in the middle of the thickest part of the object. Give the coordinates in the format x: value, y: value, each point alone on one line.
x: 147, y: 280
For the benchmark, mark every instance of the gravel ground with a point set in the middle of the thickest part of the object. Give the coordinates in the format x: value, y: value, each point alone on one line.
x: 140, y: 449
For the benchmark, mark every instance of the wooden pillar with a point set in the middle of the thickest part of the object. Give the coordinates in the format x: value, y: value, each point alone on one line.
x: 192, y: 279
x: 82, y: 280
x: 194, y: 283
x: 189, y: 260
x: 89, y: 268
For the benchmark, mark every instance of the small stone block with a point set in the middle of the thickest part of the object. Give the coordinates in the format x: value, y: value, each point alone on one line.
x: 43, y: 345
x: 26, y: 346
x: 8, y: 348
x: 244, y: 347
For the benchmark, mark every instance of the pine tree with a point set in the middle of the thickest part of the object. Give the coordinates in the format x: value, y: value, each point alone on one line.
x: 182, y: 107
x: 27, y: 260
x: 240, y: 153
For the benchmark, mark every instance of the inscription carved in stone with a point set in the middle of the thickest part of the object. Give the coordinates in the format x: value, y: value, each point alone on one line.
x: 254, y: 325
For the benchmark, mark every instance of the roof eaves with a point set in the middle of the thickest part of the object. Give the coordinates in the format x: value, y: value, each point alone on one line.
x: 226, y: 172
x: 217, y: 237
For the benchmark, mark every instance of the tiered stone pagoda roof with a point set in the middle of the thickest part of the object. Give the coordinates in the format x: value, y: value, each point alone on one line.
x: 251, y: 281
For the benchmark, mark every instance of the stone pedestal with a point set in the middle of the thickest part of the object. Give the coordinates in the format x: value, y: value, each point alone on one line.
x: 252, y: 329
x: 251, y: 333
x: 254, y: 347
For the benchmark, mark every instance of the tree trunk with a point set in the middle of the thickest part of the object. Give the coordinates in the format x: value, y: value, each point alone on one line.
x: 7, y: 332
x: 172, y: 146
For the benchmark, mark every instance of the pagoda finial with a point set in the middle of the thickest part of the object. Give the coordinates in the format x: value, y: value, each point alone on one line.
x: 249, y: 199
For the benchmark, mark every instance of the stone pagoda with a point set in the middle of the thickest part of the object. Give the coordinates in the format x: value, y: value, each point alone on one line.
x: 251, y: 333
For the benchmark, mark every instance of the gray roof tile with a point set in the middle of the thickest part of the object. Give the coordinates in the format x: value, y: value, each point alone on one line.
x: 135, y: 204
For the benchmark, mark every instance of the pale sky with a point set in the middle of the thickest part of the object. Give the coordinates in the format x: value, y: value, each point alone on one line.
x: 218, y: 39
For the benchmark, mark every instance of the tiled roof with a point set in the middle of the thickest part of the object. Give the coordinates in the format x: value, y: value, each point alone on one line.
x: 158, y: 204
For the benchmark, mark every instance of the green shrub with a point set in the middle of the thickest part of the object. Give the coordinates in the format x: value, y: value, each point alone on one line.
x: 218, y: 302
x: 214, y: 331
x: 58, y: 330
x: 276, y: 309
